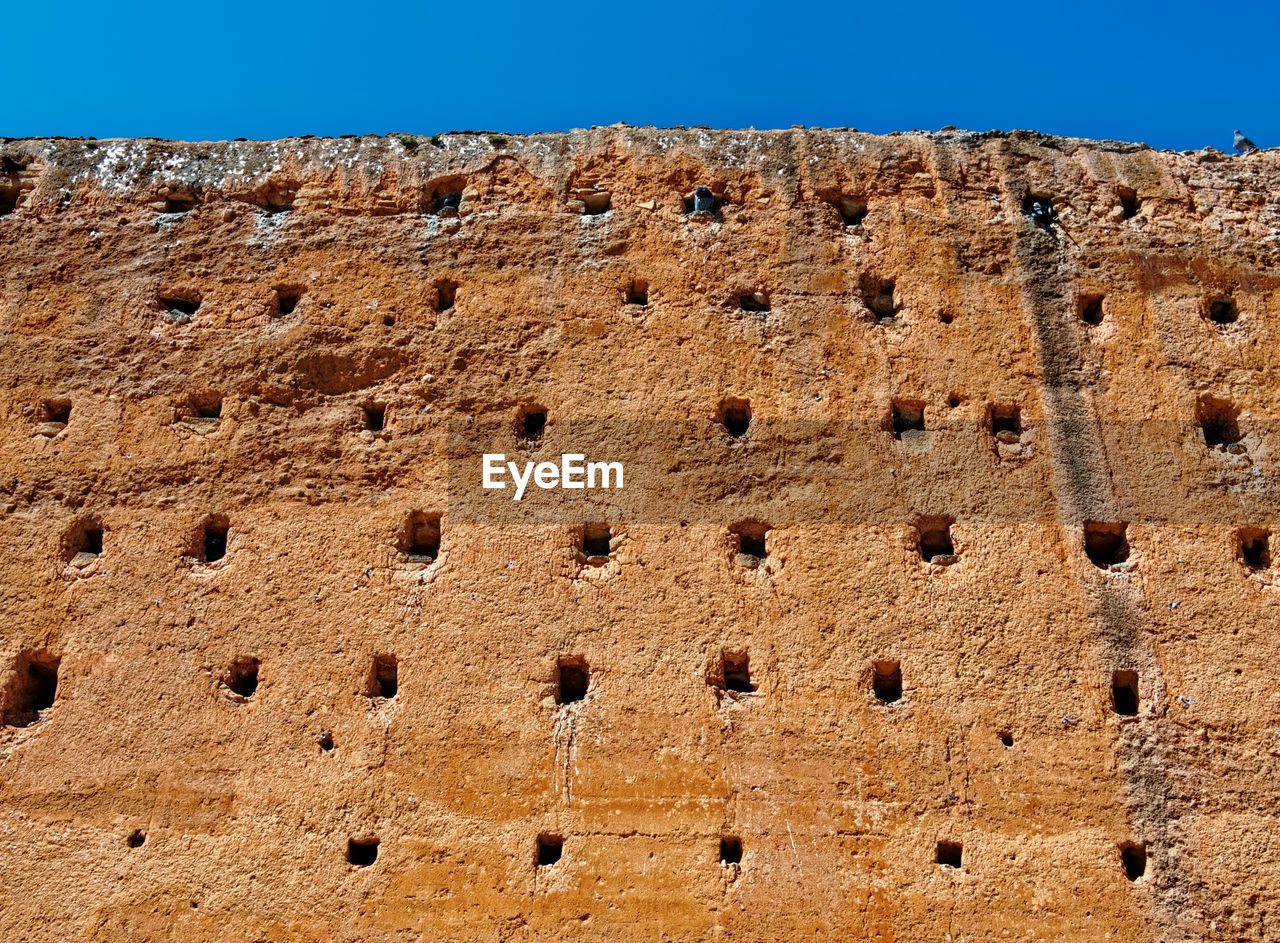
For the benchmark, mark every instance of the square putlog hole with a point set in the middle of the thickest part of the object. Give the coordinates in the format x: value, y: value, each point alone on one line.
x: 1089, y: 307
x: 1219, y: 424
x: 638, y: 292
x: 213, y: 537
x: 241, y: 677
x: 383, y: 681
x: 730, y: 850
x: 735, y: 672
x: 531, y: 423
x: 446, y: 292
x: 735, y: 416
x: 30, y: 688
x: 1124, y: 693
x: 1133, y: 858
x: 375, y: 417
x: 549, y: 850
x: 420, y: 538
x: 57, y: 411
x: 1006, y: 424
x: 886, y: 682
x: 934, y: 541
x: 1222, y: 310
x: 1254, y: 546
x: 573, y: 678
x: 750, y: 543
x: 906, y: 418
x: 878, y: 298
x: 362, y: 852
x: 597, y: 540
x: 949, y: 854
x: 1106, y: 544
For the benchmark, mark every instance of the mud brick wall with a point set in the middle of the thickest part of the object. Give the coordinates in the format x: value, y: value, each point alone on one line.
x: 938, y: 602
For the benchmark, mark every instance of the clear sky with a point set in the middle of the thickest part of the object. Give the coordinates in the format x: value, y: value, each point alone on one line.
x: 1174, y: 74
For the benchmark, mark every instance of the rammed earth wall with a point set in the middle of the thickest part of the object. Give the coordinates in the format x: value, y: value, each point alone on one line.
x: 938, y: 603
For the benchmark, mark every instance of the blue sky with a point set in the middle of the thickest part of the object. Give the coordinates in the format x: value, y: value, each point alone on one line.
x: 1174, y: 74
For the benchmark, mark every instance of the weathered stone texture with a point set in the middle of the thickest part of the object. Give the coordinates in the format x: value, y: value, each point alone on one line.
x: 196, y: 339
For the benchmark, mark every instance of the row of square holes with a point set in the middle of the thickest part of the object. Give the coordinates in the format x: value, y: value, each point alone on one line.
x: 549, y: 849
x: 878, y: 299
x: 32, y: 685
x: 1105, y: 544
x: 32, y: 689
x: 1217, y: 419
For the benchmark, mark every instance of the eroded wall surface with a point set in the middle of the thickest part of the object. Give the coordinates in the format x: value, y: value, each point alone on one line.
x: 1010, y: 675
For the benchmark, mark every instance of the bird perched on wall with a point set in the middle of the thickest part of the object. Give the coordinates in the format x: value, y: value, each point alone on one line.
x: 1045, y: 215
x: 704, y: 200
x: 1243, y: 144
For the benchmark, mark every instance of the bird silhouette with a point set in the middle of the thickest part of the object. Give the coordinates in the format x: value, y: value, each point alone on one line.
x: 704, y: 200
x: 1243, y: 144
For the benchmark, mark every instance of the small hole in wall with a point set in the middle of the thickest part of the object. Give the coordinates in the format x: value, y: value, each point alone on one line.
x: 702, y: 200
x: 1133, y: 858
x: 736, y: 671
x: 946, y: 317
x: 1223, y: 311
x: 638, y: 292
x: 531, y: 422
x: 949, y: 854
x: 389, y: 321
x: 9, y: 199
x: 1090, y: 309
x: 420, y: 539
x: 754, y: 301
x: 573, y: 677
x: 1255, y: 547
x: 1006, y: 739
x: 447, y: 204
x: 596, y: 540
x: 1218, y: 422
x: 384, y: 677
x: 886, y: 681
x: 375, y: 417
x: 181, y: 203
x: 31, y: 687
x: 241, y: 677
x: 852, y: 210
x: 287, y: 300
x: 137, y: 838
x: 730, y: 849
x: 907, y: 417
x: 877, y: 295
x: 735, y: 415
x: 205, y: 406
x: 595, y: 202
x: 1106, y: 544
x: 934, y: 543
x: 213, y: 539
x: 1124, y: 693
x: 750, y: 538
x: 326, y: 741
x: 180, y: 308
x: 1006, y: 423
x: 446, y: 294
x: 1129, y: 202
x: 549, y: 850
x: 56, y: 411
x: 85, y: 537
x: 362, y: 852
